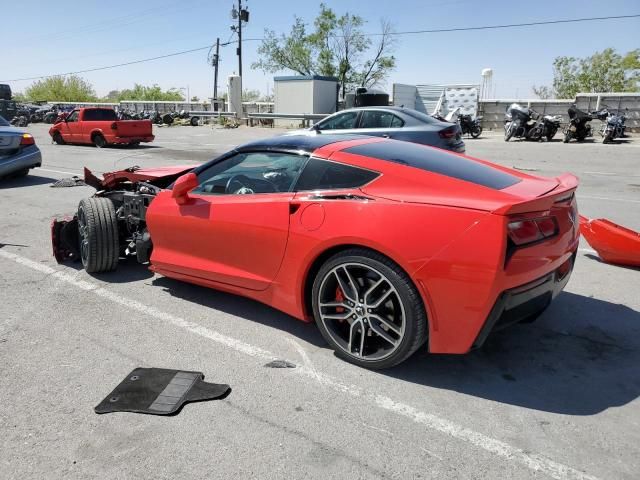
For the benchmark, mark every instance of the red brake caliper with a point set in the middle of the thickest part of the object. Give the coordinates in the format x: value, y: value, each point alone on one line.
x: 339, y: 298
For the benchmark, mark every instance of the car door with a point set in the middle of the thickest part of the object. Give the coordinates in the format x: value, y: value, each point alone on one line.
x: 380, y: 123
x: 70, y: 128
x: 235, y: 226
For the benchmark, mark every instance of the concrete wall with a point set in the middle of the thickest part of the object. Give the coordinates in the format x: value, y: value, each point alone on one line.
x: 493, y: 109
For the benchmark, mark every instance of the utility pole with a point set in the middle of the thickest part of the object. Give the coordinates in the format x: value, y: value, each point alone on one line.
x: 240, y: 42
x: 215, y: 61
x: 242, y: 14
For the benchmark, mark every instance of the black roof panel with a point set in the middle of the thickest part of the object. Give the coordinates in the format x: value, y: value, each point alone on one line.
x: 307, y: 143
x: 436, y: 161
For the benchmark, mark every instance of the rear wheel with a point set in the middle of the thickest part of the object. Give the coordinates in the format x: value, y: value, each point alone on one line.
x: 194, y: 121
x: 367, y: 309
x: 476, y: 131
x: 98, y: 233
x: 99, y: 141
x: 551, y: 134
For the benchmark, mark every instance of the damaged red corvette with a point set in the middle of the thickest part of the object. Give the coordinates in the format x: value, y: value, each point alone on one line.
x: 387, y: 245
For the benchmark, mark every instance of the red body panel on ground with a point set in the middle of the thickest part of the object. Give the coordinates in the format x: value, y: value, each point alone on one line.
x: 614, y: 243
x: 84, y: 125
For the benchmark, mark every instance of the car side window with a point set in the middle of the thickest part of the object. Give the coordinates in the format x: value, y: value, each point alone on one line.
x: 326, y: 175
x: 251, y: 173
x: 380, y: 119
x: 341, y: 121
x: 73, y: 117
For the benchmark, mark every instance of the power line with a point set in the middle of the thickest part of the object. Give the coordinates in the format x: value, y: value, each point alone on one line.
x: 409, y: 32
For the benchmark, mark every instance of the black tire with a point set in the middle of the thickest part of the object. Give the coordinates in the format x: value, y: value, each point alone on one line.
x: 99, y: 140
x: 194, y: 121
x: 167, y: 119
x: 406, y: 296
x: 551, y: 134
x: 98, y: 233
x: 49, y: 118
x: 508, y: 133
x: 476, y: 131
x: 57, y: 138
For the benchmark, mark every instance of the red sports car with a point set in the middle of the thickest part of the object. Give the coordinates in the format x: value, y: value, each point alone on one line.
x: 387, y: 245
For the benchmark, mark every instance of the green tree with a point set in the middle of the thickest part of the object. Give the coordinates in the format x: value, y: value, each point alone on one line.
x: 335, y: 46
x: 152, y: 93
x: 605, y: 71
x: 61, y: 89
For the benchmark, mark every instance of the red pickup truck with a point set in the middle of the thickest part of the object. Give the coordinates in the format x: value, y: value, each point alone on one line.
x: 100, y: 127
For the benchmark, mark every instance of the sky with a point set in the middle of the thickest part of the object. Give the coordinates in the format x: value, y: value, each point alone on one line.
x: 70, y: 35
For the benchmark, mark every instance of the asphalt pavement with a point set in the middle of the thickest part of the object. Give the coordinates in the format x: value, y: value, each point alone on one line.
x: 554, y: 399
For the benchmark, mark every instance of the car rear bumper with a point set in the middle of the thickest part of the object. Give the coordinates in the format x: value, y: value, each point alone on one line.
x: 142, y: 138
x: 524, y: 303
x: 27, y: 157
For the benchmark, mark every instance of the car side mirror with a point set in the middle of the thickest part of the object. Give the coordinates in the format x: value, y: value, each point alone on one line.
x: 316, y: 127
x: 182, y: 186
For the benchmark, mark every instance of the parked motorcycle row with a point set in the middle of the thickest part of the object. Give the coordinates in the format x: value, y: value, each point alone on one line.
x: 525, y: 123
x: 157, y: 118
x: 26, y: 114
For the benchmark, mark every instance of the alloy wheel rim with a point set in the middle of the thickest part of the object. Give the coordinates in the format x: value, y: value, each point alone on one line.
x: 362, y: 311
x: 84, y: 236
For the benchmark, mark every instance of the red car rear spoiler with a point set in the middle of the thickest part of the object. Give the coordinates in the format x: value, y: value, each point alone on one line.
x: 567, y: 184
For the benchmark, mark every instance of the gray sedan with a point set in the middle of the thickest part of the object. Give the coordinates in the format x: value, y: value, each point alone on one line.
x: 18, y: 151
x: 394, y: 122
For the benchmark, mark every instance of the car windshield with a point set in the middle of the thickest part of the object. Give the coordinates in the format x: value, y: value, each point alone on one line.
x: 423, y: 117
x: 3, y: 122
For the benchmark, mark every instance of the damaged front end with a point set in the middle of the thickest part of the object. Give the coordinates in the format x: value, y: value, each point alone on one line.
x: 131, y: 192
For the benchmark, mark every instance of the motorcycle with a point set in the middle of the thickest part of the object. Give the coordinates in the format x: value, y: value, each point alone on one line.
x: 470, y: 126
x: 524, y: 122
x: 579, y: 127
x: 612, y: 125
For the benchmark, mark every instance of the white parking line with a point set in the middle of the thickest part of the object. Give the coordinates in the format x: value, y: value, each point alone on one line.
x: 610, y: 199
x: 534, y: 462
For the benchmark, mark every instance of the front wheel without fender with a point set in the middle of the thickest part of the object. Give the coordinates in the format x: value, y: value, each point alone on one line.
x: 476, y: 131
x: 98, y: 235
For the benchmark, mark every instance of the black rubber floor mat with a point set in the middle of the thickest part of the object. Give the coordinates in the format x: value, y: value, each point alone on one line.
x: 159, y: 391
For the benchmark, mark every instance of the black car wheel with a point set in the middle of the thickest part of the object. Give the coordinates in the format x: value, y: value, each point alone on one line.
x: 368, y: 309
x: 99, y: 141
x: 98, y: 234
x: 57, y: 138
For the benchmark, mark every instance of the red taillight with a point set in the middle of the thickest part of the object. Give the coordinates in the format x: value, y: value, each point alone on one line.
x: 530, y: 230
x: 449, y: 132
x: 114, y: 126
x: 27, y: 139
